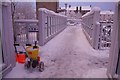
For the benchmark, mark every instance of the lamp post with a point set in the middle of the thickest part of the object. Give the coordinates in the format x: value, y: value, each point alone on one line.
x: 66, y: 8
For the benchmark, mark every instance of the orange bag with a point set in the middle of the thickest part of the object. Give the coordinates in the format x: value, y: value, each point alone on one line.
x: 21, y: 58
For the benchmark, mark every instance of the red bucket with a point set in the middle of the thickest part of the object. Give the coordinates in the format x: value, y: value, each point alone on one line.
x: 20, y: 58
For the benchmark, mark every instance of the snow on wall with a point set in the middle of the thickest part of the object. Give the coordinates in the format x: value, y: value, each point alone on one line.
x: 50, y: 12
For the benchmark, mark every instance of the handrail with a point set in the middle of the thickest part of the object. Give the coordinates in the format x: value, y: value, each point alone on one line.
x: 24, y: 29
x: 25, y: 21
x: 93, y: 28
x: 50, y: 24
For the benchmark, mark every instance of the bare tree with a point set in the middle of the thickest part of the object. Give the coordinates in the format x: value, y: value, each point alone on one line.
x: 24, y: 10
x: 13, y: 7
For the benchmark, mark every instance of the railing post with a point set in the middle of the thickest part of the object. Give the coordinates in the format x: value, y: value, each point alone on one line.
x: 97, y: 36
x: 27, y: 33
x: 41, y: 25
x: 54, y: 24
x: 96, y: 28
x: 115, y: 44
x: 7, y: 39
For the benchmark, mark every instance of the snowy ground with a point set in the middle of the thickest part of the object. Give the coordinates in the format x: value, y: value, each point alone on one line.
x: 68, y: 55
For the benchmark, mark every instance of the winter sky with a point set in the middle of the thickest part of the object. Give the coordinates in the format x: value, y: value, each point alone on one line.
x: 88, y: 0
x: 102, y: 5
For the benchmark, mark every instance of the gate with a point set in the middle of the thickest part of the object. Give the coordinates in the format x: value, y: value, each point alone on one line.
x: 26, y: 31
x: 48, y: 25
x: 105, y: 34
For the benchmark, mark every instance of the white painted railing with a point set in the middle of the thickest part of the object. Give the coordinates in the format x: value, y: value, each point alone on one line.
x: 26, y: 31
x: 97, y: 32
x: 105, y: 34
x: 91, y: 27
x: 50, y: 24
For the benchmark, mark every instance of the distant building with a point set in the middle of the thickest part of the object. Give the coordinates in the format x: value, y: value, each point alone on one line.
x: 75, y: 11
x: 71, y: 12
x: 84, y: 9
x: 106, y: 15
x: 48, y: 5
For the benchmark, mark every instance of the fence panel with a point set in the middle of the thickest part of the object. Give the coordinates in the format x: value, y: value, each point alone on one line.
x: 105, y: 36
x: 26, y: 31
x: 50, y: 24
x: 97, y: 32
x: 90, y: 24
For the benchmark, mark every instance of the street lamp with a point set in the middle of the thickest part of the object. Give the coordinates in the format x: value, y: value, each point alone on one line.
x: 66, y: 8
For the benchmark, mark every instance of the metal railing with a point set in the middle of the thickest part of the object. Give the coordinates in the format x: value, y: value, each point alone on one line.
x: 91, y: 27
x: 88, y: 25
x: 97, y: 32
x: 26, y: 31
x: 105, y: 34
x: 50, y: 24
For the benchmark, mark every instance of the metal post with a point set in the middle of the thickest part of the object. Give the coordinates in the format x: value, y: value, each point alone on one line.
x: 96, y: 28
x: 7, y: 38
x: 114, y: 50
x: 41, y: 25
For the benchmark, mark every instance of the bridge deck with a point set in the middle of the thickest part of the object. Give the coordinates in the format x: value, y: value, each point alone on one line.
x: 68, y: 55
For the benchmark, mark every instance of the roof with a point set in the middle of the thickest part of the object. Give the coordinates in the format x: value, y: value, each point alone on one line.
x: 74, y: 8
x: 86, y: 8
x: 71, y: 8
x: 106, y: 12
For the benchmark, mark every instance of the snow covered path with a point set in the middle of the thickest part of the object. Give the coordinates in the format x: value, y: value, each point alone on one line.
x: 68, y: 55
